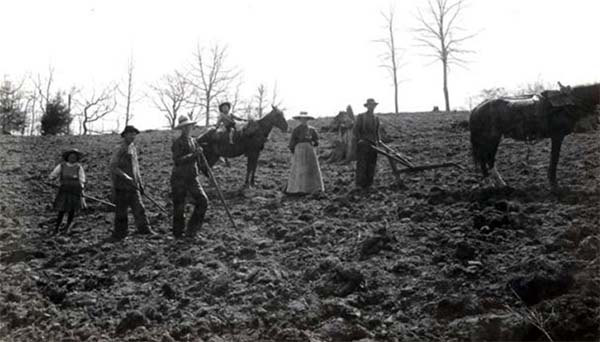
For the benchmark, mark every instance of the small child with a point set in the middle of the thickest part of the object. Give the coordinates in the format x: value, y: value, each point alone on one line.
x: 70, y: 193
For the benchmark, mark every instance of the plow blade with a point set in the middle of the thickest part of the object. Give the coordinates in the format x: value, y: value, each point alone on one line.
x: 396, y: 157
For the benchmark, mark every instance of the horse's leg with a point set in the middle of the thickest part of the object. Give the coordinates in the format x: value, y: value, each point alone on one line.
x: 554, y: 155
x: 496, y: 177
x: 252, y: 164
x: 247, y: 181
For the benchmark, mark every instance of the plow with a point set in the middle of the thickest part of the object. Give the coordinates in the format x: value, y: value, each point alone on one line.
x: 395, y: 157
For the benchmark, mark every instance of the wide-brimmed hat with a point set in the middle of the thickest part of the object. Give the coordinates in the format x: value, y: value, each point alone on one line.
x: 184, y: 121
x: 67, y: 153
x: 128, y: 129
x: 370, y: 102
x: 303, y: 115
x: 228, y: 104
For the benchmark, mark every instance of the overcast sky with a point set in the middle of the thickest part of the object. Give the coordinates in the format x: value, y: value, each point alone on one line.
x: 320, y: 53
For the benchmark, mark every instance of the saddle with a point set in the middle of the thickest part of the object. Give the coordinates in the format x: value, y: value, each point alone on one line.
x: 523, y: 101
x: 221, y: 137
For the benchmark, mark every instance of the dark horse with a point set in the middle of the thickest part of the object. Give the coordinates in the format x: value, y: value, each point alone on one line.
x: 249, y: 141
x: 551, y: 114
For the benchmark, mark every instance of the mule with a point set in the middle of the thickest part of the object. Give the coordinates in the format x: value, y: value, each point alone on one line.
x: 551, y: 114
x: 248, y: 141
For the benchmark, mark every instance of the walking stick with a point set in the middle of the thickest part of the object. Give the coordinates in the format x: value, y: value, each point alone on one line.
x: 85, y: 196
x: 202, y: 159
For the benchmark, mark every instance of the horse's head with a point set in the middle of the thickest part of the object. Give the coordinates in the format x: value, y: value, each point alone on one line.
x: 585, y: 97
x: 278, y: 119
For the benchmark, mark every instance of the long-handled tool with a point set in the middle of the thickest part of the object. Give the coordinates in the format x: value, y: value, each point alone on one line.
x: 85, y: 196
x: 203, y: 161
x: 399, y: 155
x: 150, y: 198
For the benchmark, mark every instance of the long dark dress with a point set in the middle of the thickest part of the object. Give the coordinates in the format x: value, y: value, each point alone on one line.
x: 305, y: 174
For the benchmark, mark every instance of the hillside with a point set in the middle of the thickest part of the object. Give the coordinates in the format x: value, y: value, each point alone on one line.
x: 434, y: 259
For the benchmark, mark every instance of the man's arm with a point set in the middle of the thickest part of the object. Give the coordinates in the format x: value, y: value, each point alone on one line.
x: 179, y: 157
x: 378, y: 142
x: 114, y: 164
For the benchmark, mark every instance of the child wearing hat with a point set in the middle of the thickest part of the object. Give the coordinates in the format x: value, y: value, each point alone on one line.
x: 69, y: 198
x: 227, y: 120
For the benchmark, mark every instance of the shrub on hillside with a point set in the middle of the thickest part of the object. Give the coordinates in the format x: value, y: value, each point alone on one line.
x: 57, y: 117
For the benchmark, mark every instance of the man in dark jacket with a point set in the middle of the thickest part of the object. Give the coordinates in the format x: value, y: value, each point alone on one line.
x: 365, y: 133
x: 127, y: 186
x: 185, y: 179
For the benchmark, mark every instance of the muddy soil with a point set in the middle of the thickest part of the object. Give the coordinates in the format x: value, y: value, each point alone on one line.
x: 440, y: 257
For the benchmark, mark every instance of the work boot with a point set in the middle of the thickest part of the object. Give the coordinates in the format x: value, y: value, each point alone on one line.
x: 191, y: 232
x: 116, y: 236
x: 146, y: 231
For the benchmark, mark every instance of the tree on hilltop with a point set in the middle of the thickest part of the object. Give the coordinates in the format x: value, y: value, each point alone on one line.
x: 57, y: 117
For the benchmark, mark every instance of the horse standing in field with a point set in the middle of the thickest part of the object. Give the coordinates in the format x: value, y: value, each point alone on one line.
x: 248, y: 141
x: 551, y: 114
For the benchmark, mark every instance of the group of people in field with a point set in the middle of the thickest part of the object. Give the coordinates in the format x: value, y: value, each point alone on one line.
x: 128, y: 188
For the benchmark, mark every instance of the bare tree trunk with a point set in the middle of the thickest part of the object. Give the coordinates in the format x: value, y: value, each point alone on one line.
x: 207, y: 110
x: 390, y: 58
x: 128, y: 98
x: 446, y: 96
x: 393, y: 60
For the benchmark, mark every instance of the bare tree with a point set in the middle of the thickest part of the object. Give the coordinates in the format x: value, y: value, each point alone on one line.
x: 41, y: 95
x: 211, y: 77
x: 236, y: 100
x: 171, y: 95
x: 128, y: 92
x: 275, y: 99
x: 439, y: 32
x: 391, y: 56
x: 96, y: 105
x: 260, y: 97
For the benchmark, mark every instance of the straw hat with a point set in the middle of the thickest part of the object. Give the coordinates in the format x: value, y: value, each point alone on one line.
x: 184, y: 121
x: 303, y: 116
x: 67, y: 153
x: 370, y: 102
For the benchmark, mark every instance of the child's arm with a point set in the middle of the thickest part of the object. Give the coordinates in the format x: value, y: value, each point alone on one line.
x: 55, y: 173
x: 81, y: 174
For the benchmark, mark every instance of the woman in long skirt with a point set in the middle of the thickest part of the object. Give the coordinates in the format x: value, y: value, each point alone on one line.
x: 69, y: 198
x: 305, y: 175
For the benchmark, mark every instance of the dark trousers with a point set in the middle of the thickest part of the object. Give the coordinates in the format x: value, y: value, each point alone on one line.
x: 123, y: 200
x: 180, y: 188
x: 366, y: 162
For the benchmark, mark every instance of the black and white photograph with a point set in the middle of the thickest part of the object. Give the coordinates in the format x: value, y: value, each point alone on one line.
x: 299, y: 171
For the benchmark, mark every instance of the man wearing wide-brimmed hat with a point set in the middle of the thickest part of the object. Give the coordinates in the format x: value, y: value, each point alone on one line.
x: 185, y: 179
x: 305, y: 174
x: 365, y: 133
x: 127, y: 185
